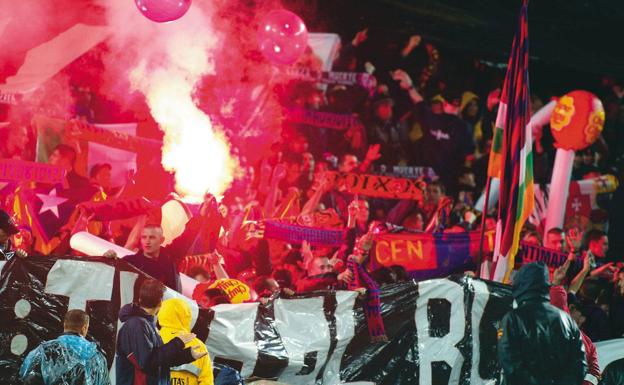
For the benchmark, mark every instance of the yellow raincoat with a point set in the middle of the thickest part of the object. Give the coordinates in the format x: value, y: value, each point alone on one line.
x: 174, y: 318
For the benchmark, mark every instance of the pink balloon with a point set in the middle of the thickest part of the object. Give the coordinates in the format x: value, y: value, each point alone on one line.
x: 162, y: 11
x: 283, y: 37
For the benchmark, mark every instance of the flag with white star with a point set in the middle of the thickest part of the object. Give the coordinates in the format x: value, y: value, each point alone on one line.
x: 47, y: 208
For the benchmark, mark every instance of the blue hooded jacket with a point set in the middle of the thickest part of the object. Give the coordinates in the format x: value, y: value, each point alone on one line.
x: 69, y: 359
x: 142, y: 358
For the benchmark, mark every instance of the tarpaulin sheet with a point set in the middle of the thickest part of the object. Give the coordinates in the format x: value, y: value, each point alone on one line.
x: 441, y: 331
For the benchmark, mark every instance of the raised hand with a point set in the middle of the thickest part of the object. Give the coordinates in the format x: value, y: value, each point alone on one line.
x: 403, y: 78
x: 353, y: 207
x: 560, y: 273
x: 573, y: 239
x: 346, y: 276
x: 373, y: 153
x: 306, y: 253
x: 360, y: 37
x: 414, y: 41
x: 279, y: 172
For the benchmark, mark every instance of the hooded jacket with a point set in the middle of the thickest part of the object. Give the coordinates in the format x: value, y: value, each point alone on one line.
x: 174, y: 318
x: 142, y: 358
x: 68, y: 360
x: 538, y: 343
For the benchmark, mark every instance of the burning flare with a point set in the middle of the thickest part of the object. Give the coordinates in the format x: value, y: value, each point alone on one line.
x: 193, y: 149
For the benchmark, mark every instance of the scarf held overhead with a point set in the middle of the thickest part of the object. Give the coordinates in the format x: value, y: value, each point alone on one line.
x: 297, y: 234
x: 378, y: 186
x: 340, y: 78
x: 323, y: 119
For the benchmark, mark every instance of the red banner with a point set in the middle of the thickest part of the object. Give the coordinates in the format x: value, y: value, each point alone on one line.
x: 22, y: 171
x: 438, y: 253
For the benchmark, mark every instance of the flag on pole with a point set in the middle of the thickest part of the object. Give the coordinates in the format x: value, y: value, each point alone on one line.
x: 516, y: 159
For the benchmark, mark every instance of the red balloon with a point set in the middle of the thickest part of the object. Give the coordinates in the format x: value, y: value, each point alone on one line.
x: 283, y: 37
x: 577, y: 120
x: 162, y: 11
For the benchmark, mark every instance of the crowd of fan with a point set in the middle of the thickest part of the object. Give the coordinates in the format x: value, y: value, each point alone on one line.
x: 412, y: 117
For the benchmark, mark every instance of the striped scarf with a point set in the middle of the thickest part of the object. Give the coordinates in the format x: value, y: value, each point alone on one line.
x: 372, y: 306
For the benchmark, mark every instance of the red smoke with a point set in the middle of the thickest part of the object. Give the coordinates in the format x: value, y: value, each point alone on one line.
x: 238, y: 93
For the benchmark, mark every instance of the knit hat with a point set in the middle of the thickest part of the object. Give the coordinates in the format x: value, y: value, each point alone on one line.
x: 466, y: 98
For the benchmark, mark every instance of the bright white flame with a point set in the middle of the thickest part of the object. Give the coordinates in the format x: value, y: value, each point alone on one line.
x: 193, y: 149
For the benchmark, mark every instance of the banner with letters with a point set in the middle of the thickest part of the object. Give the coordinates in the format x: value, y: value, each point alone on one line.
x: 429, y: 255
x: 323, y: 119
x: 361, y: 79
x: 378, y: 186
x: 532, y: 253
x: 440, y: 331
x: 23, y: 171
x: 411, y: 172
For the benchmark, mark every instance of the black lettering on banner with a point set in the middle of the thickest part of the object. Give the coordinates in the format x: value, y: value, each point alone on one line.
x: 439, y: 315
x: 382, y: 183
x: 355, y: 179
x: 272, y: 356
x: 365, y: 183
x: 416, y: 184
x: 440, y: 331
x: 407, y: 185
x: 549, y: 257
x: 329, y: 308
x: 309, y: 363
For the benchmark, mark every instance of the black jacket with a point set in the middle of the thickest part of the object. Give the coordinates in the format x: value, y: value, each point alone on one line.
x: 538, y: 343
x: 613, y: 373
x: 164, y: 268
x: 142, y: 358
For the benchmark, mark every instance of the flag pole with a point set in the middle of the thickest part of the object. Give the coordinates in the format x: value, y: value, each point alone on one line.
x: 483, y: 218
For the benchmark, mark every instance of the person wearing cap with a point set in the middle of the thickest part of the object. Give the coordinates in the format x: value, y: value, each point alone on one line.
x: 470, y: 112
x: 384, y: 130
x: 7, y: 229
x: 538, y: 343
x: 444, y: 141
